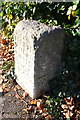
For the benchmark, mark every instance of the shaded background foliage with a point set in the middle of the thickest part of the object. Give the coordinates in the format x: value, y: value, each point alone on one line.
x: 54, y: 13
x: 65, y: 14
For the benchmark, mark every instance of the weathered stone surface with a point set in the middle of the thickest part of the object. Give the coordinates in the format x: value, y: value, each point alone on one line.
x: 38, y: 49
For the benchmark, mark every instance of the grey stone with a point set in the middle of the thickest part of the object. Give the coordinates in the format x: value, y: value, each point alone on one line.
x: 38, y: 50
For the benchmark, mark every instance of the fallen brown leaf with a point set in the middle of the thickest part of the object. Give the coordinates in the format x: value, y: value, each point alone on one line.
x: 33, y: 102
x: 1, y: 75
x: 38, y: 103
x: 4, y: 85
x: 38, y: 108
x: 68, y: 114
x: 18, y: 87
x: 46, y: 110
x: 42, y: 104
x: 6, y: 90
x: 1, y: 81
x: 25, y: 94
x: 3, y: 41
x: 48, y: 117
x: 15, y: 89
x: 0, y: 71
x: 45, y: 114
x: 28, y: 109
x: 71, y: 107
x: 9, y: 94
x: 1, y: 89
x: 25, y: 110
x: 64, y: 106
x: 17, y: 96
x: 40, y: 111
x: 69, y: 102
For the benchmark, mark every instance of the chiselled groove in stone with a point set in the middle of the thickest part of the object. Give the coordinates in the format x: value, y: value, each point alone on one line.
x: 42, y: 76
x: 38, y: 49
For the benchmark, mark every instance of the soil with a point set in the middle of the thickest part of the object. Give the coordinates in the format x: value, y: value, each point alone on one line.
x: 13, y: 106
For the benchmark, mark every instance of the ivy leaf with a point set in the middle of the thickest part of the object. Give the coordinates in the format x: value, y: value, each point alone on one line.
x: 78, y: 32
x: 78, y: 11
x: 68, y: 26
x: 4, y: 3
x: 10, y: 16
x: 69, y: 17
x: 8, y: 10
x: 1, y: 14
x: 77, y: 22
x: 74, y: 7
x: 76, y: 2
x: 74, y: 13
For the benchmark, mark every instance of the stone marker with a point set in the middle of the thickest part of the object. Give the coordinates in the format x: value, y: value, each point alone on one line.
x: 38, y: 49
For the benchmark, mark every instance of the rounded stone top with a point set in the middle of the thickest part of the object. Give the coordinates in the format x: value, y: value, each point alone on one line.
x: 36, y: 28
x: 37, y: 24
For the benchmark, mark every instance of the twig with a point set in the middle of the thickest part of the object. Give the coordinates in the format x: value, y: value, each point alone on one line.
x: 21, y: 98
